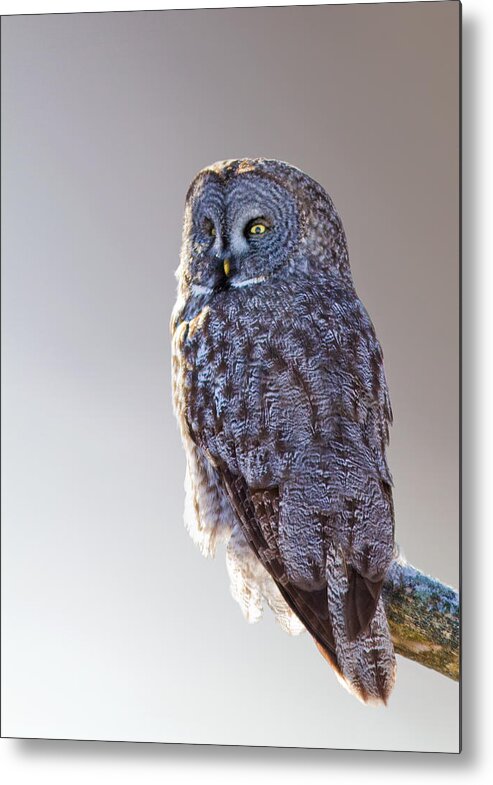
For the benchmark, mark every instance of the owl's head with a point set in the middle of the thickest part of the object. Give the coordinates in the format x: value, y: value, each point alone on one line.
x: 248, y: 221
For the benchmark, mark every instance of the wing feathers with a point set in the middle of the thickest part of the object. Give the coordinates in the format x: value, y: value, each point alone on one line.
x: 346, y: 616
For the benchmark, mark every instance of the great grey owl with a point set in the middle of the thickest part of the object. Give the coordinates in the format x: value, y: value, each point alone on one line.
x: 280, y: 394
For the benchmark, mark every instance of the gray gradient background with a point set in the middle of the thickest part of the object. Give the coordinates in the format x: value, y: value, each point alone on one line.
x: 114, y: 626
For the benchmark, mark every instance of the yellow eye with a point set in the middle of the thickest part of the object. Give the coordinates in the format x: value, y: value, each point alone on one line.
x: 257, y: 229
x: 212, y: 231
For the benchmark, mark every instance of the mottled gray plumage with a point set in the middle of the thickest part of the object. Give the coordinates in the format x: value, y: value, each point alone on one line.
x: 280, y: 393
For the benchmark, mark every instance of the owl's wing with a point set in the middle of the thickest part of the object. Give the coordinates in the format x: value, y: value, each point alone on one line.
x: 365, y: 518
x: 325, y: 533
x: 365, y: 664
x: 258, y: 513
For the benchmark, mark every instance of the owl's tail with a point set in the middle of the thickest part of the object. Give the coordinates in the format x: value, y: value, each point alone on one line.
x: 366, y: 663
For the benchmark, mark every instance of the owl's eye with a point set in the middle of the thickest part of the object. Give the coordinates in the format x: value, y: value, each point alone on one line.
x: 257, y: 227
x: 209, y: 228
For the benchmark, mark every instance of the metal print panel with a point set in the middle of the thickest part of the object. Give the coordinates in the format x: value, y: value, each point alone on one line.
x: 230, y: 258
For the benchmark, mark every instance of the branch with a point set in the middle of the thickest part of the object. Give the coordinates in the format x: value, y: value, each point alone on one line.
x: 423, y: 616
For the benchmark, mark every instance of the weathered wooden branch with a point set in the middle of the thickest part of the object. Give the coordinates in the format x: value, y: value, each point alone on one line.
x: 423, y: 616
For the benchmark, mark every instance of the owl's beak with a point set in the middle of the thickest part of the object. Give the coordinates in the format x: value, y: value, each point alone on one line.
x: 227, y: 267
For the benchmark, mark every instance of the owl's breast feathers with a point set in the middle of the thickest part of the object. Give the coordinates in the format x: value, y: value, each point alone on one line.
x: 282, y: 390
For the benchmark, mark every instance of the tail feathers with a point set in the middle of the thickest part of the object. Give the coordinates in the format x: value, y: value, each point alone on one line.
x: 366, y: 663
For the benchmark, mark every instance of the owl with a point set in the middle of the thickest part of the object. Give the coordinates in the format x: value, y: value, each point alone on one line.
x: 282, y: 403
